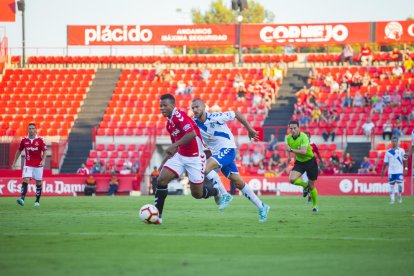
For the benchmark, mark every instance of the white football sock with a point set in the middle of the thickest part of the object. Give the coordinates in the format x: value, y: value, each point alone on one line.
x: 400, y: 188
x: 392, y: 192
x: 215, y: 179
x: 249, y: 194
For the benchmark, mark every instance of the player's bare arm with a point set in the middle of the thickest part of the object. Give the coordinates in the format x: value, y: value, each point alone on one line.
x: 171, y: 150
x: 42, y: 163
x: 384, y: 167
x: 15, y: 159
x: 251, y: 132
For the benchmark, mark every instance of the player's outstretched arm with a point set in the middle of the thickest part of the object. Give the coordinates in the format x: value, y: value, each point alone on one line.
x: 251, y: 132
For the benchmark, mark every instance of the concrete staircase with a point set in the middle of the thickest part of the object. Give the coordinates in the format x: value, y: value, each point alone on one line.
x: 91, y: 114
x: 282, y: 111
x: 358, y: 151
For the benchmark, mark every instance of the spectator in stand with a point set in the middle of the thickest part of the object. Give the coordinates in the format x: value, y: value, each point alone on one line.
x: 405, y: 114
x: 303, y: 119
x: 169, y: 74
x: 347, y: 55
x: 396, y: 55
x: 367, y: 99
x: 125, y: 170
x: 90, y: 185
x: 159, y: 71
x: 334, y: 159
x: 238, y: 81
x: 407, y: 93
x: 387, y: 130
x: 347, y: 101
x: 398, y: 129
x: 135, y: 167
x: 257, y: 157
x: 154, y: 177
x: 113, y: 184
x: 386, y: 98
x: 275, y: 160
x: 358, y: 100
x: 180, y: 88
x: 366, y: 55
x: 367, y: 127
x: 328, y: 79
x: 190, y: 88
x: 365, y: 167
x: 411, y: 118
x: 271, y: 144
x: 267, y: 73
x: 127, y: 164
x: 96, y: 168
x: 397, y: 71
x: 246, y: 159
x: 408, y: 64
x: 329, y: 131
x: 366, y: 80
x: 261, y: 170
x: 378, y: 107
x: 334, y: 87
x: 347, y: 163
x: 356, y: 79
x: 278, y: 73
x: 316, y: 114
x: 375, y: 98
x: 83, y: 170
x: 205, y: 73
x: 344, y: 85
x: 395, y: 99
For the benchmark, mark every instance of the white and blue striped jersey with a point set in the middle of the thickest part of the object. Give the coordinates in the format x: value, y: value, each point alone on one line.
x: 394, y: 158
x: 215, y: 132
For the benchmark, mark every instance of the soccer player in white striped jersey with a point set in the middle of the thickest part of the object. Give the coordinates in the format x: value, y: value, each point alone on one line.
x: 397, y: 167
x: 218, y: 137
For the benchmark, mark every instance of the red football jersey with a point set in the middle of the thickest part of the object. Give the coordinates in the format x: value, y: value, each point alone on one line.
x: 179, y: 125
x: 33, y: 149
x: 315, y: 149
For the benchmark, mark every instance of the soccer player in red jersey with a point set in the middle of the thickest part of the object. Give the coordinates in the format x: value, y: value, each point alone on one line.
x: 185, y: 154
x: 35, y: 156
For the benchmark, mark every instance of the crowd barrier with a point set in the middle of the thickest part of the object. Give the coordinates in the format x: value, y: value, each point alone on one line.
x: 341, y: 185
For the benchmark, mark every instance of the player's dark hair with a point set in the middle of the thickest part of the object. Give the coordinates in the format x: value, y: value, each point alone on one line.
x: 31, y: 124
x: 294, y: 122
x: 394, y: 138
x: 168, y: 97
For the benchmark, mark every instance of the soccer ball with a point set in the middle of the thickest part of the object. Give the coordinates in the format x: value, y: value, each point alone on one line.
x: 148, y: 213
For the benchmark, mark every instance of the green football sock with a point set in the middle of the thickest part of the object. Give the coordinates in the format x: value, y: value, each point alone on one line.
x: 314, y: 197
x: 300, y: 182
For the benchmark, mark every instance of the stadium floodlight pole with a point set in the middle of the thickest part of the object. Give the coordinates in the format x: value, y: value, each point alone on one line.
x: 21, y: 6
x: 239, y: 21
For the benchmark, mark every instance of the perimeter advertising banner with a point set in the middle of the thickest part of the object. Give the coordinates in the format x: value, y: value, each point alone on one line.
x: 304, y: 34
x: 394, y: 31
x: 341, y: 185
x: 327, y: 185
x: 198, y: 35
x: 61, y: 185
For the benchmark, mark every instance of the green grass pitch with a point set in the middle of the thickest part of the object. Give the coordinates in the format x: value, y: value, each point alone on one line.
x: 103, y: 236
